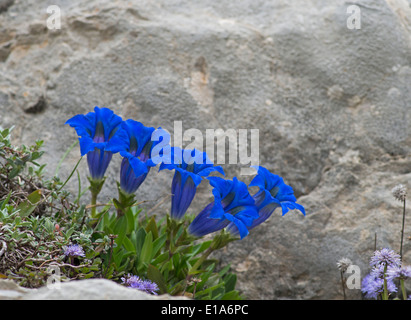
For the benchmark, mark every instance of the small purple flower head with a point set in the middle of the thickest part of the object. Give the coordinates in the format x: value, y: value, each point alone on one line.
x: 74, y: 250
x: 402, y: 273
x: 135, y: 282
x: 386, y: 257
x: 373, y: 285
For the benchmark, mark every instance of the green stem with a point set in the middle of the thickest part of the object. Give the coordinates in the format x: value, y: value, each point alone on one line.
x: 124, y: 201
x: 200, y: 261
x: 71, y: 174
x: 402, y: 230
x: 93, y: 204
x: 385, y: 293
x: 342, y: 284
x: 404, y: 293
x: 95, y: 188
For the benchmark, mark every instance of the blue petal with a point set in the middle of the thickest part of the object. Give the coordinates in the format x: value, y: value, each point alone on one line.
x: 119, y: 142
x: 203, y: 224
x: 98, y: 161
x: 83, y: 124
x: 242, y: 195
x: 276, y: 191
x: 139, y: 167
x: 86, y: 145
x: 217, y: 211
x: 206, y: 171
x: 265, y: 179
x: 264, y: 213
x: 88, y: 125
x: 236, y: 226
x: 192, y: 161
x: 183, y: 189
x: 130, y: 178
x: 223, y: 186
x: 132, y: 137
x: 196, y: 178
x: 229, y: 194
x: 287, y: 205
x: 109, y: 120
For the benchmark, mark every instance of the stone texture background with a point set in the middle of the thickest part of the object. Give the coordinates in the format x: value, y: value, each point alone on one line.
x: 331, y: 105
x: 89, y: 289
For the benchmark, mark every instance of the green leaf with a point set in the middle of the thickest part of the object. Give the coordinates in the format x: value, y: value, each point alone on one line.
x: 232, y: 295
x: 128, y: 244
x: 152, y: 226
x: 155, y: 275
x: 140, y: 236
x: 120, y: 229
x: 69, y: 232
x: 5, y: 201
x: 161, y: 258
x: 230, y: 281
x: 131, y: 223
x: 209, y: 290
x: 28, y: 206
x: 147, y: 249
x: 223, y: 271
x: 201, y: 247
x: 49, y: 226
x: 158, y: 244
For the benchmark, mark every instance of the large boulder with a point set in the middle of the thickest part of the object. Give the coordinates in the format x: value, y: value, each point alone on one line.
x: 90, y: 289
x: 331, y: 104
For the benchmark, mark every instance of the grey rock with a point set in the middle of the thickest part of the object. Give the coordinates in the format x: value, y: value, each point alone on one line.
x: 9, y: 290
x: 90, y: 289
x: 5, y: 4
x: 331, y: 105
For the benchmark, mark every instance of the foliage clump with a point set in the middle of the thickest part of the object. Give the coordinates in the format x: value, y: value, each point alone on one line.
x: 39, y: 221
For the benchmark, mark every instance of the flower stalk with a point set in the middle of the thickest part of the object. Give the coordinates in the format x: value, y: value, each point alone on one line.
x: 95, y: 189
x: 404, y: 293
x: 124, y: 201
x: 385, y: 290
x: 400, y: 193
x: 402, y: 229
x: 219, y: 241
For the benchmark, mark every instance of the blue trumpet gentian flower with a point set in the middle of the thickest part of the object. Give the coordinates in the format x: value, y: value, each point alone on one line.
x: 95, y: 129
x: 273, y: 193
x: 233, y: 207
x: 190, y: 167
x: 134, y: 143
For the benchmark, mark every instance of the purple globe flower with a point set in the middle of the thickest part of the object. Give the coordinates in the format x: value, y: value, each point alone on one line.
x: 135, y: 282
x: 373, y: 285
x: 397, y: 272
x: 74, y: 250
x: 385, y: 257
